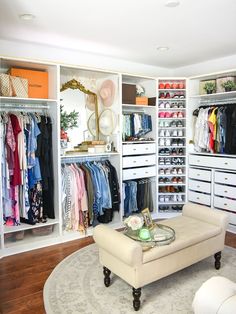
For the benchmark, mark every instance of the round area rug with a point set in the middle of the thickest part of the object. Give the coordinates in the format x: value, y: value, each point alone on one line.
x: 76, y: 286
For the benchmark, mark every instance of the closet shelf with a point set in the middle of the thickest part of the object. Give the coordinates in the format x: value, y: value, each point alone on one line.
x: 211, y: 154
x: 24, y: 226
x: 171, y: 99
x: 137, y: 106
x: 172, y: 89
x: 135, y: 142
x: 171, y: 203
x: 18, y: 100
x: 215, y: 96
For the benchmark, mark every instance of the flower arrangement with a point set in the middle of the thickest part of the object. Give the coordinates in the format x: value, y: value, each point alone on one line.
x: 140, y: 91
x: 134, y: 222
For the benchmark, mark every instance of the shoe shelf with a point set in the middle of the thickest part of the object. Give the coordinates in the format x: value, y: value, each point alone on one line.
x: 172, y: 100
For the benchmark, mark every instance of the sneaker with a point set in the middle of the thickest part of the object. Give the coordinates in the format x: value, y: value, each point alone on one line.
x: 180, y: 115
x: 180, y: 142
x: 180, y: 133
x: 180, y: 151
x: 161, y: 124
x: 168, y: 142
x: 161, y: 198
x: 162, y: 133
x: 167, y: 105
x: 181, y: 105
x: 174, y: 143
x: 180, y: 124
x: 161, y: 171
x: 162, y: 142
x: 179, y: 198
x: 173, y: 124
x: 174, y: 198
x: 167, y: 133
x: 162, y: 114
x: 174, y: 180
x: 168, y: 115
x: 175, y: 105
x: 167, y: 161
x: 167, y: 198
x: 174, y: 133
x: 179, y: 180
x: 173, y: 152
x: 162, y: 105
x: 167, y: 180
x: 174, y: 115
x: 180, y: 171
x: 167, y: 151
x: 166, y: 124
x: 167, y: 171
x: 161, y: 180
x: 174, y: 171
x: 161, y: 161
x: 161, y: 95
x: 162, y: 151
x: 167, y: 95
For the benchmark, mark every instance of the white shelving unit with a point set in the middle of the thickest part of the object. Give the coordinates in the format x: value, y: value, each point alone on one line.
x: 172, y: 154
x: 208, y: 172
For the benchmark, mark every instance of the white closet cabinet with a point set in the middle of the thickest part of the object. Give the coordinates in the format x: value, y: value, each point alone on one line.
x: 211, y: 176
x: 15, y: 239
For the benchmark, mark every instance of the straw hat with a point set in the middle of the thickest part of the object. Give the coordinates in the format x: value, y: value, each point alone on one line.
x: 107, y: 121
x: 107, y: 92
x: 90, y: 102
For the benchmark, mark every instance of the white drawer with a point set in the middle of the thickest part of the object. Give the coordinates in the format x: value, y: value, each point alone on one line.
x: 138, y: 161
x: 199, y: 198
x: 136, y: 173
x: 213, y: 162
x: 138, y: 149
x: 199, y: 186
x: 232, y: 218
x: 224, y: 190
x: 226, y: 178
x: 224, y: 203
x: 199, y: 174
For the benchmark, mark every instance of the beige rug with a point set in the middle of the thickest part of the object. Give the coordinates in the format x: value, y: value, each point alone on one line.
x: 76, y: 286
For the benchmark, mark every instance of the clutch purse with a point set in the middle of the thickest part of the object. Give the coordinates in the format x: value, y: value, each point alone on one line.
x: 13, y: 86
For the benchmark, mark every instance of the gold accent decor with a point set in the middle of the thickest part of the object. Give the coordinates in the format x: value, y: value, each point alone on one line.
x: 74, y: 84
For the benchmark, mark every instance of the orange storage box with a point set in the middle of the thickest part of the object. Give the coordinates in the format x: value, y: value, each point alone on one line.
x: 38, y: 81
x: 142, y: 101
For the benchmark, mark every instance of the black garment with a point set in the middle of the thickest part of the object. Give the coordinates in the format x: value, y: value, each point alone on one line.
x: 230, y: 145
x: 44, y: 153
x: 144, y: 195
x: 114, y: 186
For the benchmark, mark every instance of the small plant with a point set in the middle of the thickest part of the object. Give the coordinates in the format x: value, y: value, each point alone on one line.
x: 140, y: 91
x: 210, y: 87
x: 228, y: 85
x: 68, y: 120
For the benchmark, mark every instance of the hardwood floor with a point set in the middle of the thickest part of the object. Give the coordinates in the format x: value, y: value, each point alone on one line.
x: 22, y: 276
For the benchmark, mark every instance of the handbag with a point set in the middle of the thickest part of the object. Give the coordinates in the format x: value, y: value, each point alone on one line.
x: 13, y: 86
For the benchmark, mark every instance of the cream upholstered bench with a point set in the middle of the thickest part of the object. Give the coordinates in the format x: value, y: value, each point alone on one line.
x: 200, y: 232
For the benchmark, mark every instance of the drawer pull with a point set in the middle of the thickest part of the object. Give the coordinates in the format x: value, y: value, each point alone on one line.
x: 226, y: 179
x: 134, y: 161
x: 146, y: 160
x: 226, y: 191
x: 198, y: 186
x: 146, y: 172
x: 146, y: 148
x: 226, y: 163
x: 198, y: 198
x: 134, y: 173
x: 198, y: 174
x: 134, y: 148
x: 225, y: 204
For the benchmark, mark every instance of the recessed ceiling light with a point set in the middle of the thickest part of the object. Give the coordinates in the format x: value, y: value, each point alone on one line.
x: 27, y: 17
x: 163, y: 48
x: 172, y: 3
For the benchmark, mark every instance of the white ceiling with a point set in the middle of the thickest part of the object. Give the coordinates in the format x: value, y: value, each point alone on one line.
x: 195, y: 31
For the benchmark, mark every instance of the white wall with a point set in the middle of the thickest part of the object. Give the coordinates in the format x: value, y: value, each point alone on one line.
x: 215, y: 65
x: 44, y: 53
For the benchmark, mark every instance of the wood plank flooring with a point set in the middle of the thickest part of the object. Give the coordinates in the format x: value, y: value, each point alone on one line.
x: 22, y: 276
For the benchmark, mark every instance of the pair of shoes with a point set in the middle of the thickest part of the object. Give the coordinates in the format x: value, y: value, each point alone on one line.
x: 164, y: 133
x: 164, y: 151
x: 164, y: 124
x: 163, y: 208
x: 164, y: 142
x: 164, y: 95
x: 163, y: 105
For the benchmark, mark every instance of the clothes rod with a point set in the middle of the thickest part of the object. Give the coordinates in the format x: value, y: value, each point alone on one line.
x: 223, y: 101
x: 75, y: 159
x: 23, y: 106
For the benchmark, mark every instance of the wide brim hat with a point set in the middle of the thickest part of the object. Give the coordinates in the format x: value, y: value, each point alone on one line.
x: 90, y: 102
x: 107, y: 122
x: 107, y: 92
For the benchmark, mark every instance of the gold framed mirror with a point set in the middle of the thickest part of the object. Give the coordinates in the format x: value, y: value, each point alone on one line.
x: 74, y: 84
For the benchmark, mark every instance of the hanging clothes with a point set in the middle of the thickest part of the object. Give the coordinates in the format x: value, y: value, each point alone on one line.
x: 90, y: 194
x: 23, y: 186
x: 138, y: 195
x: 136, y: 125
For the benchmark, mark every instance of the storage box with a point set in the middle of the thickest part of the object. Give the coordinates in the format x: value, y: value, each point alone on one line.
x: 202, y: 84
x: 142, y: 101
x: 14, y: 236
x: 219, y: 81
x: 38, y: 81
x: 42, y: 231
x: 128, y: 94
x: 152, y: 101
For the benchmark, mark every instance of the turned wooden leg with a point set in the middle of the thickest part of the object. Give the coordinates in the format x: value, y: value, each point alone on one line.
x: 136, y: 301
x: 106, y: 273
x: 217, y: 260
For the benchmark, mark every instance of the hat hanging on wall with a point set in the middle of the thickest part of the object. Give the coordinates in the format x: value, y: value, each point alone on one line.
x: 90, y: 102
x: 107, y: 122
x: 107, y: 92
